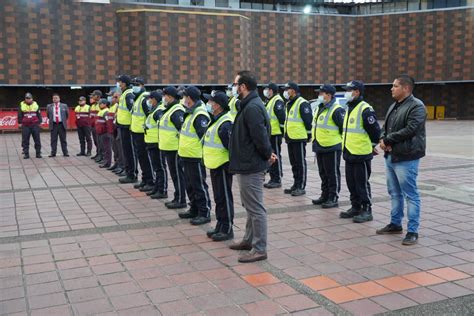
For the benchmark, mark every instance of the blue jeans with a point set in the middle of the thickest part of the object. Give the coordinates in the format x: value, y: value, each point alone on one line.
x: 401, y: 184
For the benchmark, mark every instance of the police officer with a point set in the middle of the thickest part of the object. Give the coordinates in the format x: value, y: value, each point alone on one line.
x: 103, y: 126
x: 216, y: 159
x: 168, y: 137
x: 158, y: 160
x: 139, y: 113
x: 94, y: 108
x: 276, y: 111
x: 327, y: 139
x: 29, y: 120
x: 124, y: 119
x: 113, y: 97
x: 360, y: 131
x: 190, y: 151
x: 83, y: 127
x: 234, y: 102
x: 299, y: 118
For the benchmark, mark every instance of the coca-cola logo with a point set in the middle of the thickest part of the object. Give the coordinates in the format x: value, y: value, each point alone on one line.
x: 8, y: 121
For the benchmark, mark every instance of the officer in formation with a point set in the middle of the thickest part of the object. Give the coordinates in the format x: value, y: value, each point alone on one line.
x: 117, y: 166
x: 29, y: 120
x: 94, y: 99
x: 83, y: 124
x: 234, y: 102
x: 298, y: 125
x: 276, y: 111
x: 104, y: 131
x: 327, y: 144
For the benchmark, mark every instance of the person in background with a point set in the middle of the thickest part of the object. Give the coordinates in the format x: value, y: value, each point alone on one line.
x: 58, y: 115
x: 94, y: 99
x: 29, y: 120
x: 83, y: 125
x: 103, y: 128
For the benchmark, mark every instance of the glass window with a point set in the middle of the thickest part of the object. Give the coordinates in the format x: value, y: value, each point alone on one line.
x: 222, y: 3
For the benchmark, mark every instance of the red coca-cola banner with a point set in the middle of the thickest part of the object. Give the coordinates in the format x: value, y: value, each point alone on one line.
x: 9, y: 120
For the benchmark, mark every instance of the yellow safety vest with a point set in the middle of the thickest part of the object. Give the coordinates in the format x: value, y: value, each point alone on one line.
x: 33, y: 107
x: 274, y: 123
x: 168, y: 134
x: 138, y: 116
x: 233, y: 107
x: 30, y: 113
x: 82, y: 109
x: 190, y: 145
x: 124, y: 117
x: 294, y: 125
x: 94, y: 109
x: 354, y: 136
x: 151, y: 135
x: 325, y: 131
x: 214, y: 152
x: 113, y: 108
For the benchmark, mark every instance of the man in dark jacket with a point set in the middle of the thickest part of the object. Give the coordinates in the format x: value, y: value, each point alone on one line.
x: 250, y: 156
x: 29, y: 120
x: 404, y: 142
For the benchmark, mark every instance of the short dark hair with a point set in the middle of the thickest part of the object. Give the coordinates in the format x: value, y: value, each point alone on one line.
x: 247, y: 78
x: 55, y: 94
x: 406, y: 80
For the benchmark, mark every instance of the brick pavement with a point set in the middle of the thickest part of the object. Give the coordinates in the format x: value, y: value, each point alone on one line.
x: 74, y: 241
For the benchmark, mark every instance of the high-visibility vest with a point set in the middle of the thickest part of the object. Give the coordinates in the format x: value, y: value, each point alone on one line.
x: 294, y: 125
x: 151, y: 134
x: 113, y: 109
x: 190, y: 145
x: 325, y: 131
x: 100, y: 121
x: 354, y: 137
x: 124, y: 117
x: 233, y: 107
x: 168, y: 134
x: 30, y: 113
x: 213, y: 151
x: 138, y: 116
x: 82, y: 112
x: 274, y: 123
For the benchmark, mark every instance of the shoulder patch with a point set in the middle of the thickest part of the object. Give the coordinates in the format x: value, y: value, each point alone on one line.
x: 203, y: 123
x: 307, y: 110
x: 181, y: 118
x: 371, y: 119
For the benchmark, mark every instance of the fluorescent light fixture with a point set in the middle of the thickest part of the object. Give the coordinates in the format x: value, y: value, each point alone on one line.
x: 307, y: 9
x: 76, y: 87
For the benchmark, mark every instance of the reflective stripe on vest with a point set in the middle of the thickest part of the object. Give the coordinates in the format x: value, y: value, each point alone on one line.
x: 274, y: 123
x: 138, y: 116
x: 354, y: 136
x: 124, y: 117
x: 94, y: 109
x: 214, y: 152
x: 294, y: 125
x: 190, y: 145
x: 82, y: 111
x: 151, y: 134
x: 325, y: 131
x: 233, y: 107
x: 30, y: 115
x: 101, y: 116
x: 168, y: 135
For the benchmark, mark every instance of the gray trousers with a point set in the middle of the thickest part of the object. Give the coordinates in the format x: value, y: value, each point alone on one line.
x: 251, y: 194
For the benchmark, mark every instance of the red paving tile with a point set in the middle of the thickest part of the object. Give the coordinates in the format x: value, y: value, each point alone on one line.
x: 423, y: 278
x: 449, y: 274
x: 260, y: 279
x: 368, y: 289
x: 341, y: 294
x: 396, y: 283
x: 320, y: 283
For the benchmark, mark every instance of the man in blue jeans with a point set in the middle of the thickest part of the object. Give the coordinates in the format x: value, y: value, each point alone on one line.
x: 404, y: 142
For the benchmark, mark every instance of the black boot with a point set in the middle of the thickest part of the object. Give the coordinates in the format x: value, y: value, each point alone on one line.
x: 139, y: 185
x: 112, y: 167
x: 38, y: 155
x: 322, y: 199
x: 272, y: 184
x: 213, y: 231
x: 26, y: 156
x: 221, y: 236
x: 330, y: 203
x: 350, y: 213
x: 365, y: 215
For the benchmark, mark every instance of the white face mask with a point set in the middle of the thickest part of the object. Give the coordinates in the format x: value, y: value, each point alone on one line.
x: 148, y: 102
x: 109, y: 99
x: 321, y: 99
x: 117, y: 85
x: 234, y: 92
x: 229, y: 93
x: 266, y: 93
x: 286, y: 95
x: 209, y: 107
x: 136, y: 89
x: 348, y: 96
x: 164, y: 101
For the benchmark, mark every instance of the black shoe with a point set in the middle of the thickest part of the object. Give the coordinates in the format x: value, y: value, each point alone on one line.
x: 272, y: 185
x: 26, y: 156
x: 149, y: 193
x: 104, y: 166
x: 187, y: 214
x: 39, y: 156
x: 80, y: 154
x: 200, y: 220
x: 139, y: 185
x: 322, y: 199
x: 114, y: 166
x: 213, y: 231
x: 364, y: 216
x: 389, y: 229
x: 117, y: 170
x: 176, y: 205
x: 88, y: 154
x: 288, y: 191
x: 52, y: 155
x: 410, y: 239
x: 330, y: 203
x: 298, y: 192
x: 220, y: 236
x: 128, y: 179
x: 158, y: 196
x: 122, y: 174
x: 99, y: 160
x: 95, y: 156
x: 147, y: 188
x: 66, y: 155
x: 241, y: 246
x: 350, y: 213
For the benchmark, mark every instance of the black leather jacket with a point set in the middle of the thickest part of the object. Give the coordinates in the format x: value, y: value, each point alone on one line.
x: 408, y: 135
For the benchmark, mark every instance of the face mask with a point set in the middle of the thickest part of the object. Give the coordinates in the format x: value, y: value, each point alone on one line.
x: 229, y: 93
x: 286, y: 95
x: 320, y: 99
x: 109, y: 99
x: 136, y: 89
x: 148, y: 102
x: 348, y: 96
x: 209, y: 108
x: 234, y: 92
x: 117, y: 85
x: 164, y: 101
x: 265, y: 93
